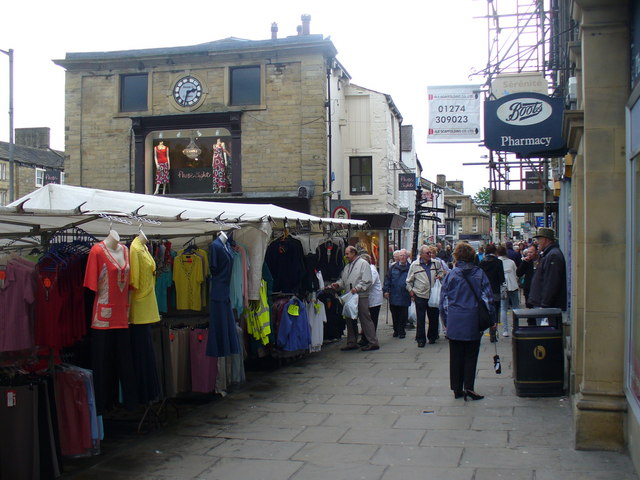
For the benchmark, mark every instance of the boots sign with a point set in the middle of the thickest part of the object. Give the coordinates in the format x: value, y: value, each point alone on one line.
x: 528, y: 124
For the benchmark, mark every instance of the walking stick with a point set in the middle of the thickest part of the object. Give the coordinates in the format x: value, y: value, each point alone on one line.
x: 386, y: 319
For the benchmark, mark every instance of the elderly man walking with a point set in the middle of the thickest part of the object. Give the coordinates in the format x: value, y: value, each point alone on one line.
x: 356, y: 278
x: 549, y: 283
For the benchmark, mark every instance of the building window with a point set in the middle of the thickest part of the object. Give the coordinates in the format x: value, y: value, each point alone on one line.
x: 360, y: 177
x: 61, y: 178
x: 3, y: 171
x: 3, y: 198
x: 474, y: 224
x: 40, y: 172
x: 245, y: 85
x: 458, y: 204
x: 134, y: 92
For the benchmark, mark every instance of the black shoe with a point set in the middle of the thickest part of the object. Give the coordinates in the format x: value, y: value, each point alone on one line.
x: 431, y: 342
x: 458, y: 394
x: 370, y: 347
x: 402, y: 335
x: 421, y: 344
x: 395, y: 334
x: 472, y: 395
x: 363, y: 342
x: 350, y: 347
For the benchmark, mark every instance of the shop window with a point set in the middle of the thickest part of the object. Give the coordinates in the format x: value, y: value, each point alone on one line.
x: 197, y: 161
x: 245, y: 85
x: 134, y: 92
x: 40, y: 173
x: 360, y: 176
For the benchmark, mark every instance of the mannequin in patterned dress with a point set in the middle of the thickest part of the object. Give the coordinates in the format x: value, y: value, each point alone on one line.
x: 219, y: 165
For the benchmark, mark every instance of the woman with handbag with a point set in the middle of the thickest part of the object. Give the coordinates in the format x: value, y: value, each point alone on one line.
x: 467, y: 308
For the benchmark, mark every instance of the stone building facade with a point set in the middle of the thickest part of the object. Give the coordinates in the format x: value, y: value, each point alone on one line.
x: 266, y: 101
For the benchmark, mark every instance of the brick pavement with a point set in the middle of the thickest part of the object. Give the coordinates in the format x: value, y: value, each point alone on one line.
x: 381, y: 415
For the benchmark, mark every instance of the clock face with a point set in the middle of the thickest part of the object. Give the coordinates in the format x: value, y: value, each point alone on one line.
x: 187, y: 91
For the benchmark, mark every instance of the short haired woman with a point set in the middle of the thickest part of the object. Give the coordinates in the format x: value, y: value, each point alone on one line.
x: 459, y: 308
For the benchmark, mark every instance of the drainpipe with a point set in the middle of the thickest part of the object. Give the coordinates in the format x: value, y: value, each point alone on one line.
x: 329, y: 135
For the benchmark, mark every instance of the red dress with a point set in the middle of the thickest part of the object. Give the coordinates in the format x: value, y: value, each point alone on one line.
x: 162, y: 171
x: 110, y: 280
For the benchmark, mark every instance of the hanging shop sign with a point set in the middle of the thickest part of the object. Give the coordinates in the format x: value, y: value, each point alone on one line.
x: 507, y: 84
x: 52, y: 176
x: 406, y: 181
x: 528, y: 124
x: 454, y: 114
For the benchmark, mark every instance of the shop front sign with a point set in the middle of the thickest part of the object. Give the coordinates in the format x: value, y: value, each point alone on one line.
x: 528, y: 124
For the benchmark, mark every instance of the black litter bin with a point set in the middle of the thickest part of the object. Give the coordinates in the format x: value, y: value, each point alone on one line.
x: 538, y: 356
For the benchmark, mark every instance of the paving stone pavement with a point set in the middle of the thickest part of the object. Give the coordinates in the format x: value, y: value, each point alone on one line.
x: 381, y: 415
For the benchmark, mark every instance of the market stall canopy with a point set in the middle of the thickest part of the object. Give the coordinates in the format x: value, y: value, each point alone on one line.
x: 56, y: 207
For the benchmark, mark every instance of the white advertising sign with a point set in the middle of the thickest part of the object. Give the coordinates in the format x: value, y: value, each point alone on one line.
x: 454, y: 114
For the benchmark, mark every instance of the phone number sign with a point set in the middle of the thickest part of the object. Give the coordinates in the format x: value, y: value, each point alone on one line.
x: 454, y: 114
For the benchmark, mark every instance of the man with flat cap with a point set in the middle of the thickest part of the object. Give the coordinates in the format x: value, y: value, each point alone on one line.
x: 549, y: 283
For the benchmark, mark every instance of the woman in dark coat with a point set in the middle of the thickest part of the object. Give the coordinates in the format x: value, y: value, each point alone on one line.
x: 494, y: 270
x: 459, y: 310
x: 395, y: 290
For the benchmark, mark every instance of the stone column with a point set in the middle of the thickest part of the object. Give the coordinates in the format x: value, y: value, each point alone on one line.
x: 600, y: 274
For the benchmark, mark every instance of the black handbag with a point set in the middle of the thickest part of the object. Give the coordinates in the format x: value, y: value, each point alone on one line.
x: 484, y: 317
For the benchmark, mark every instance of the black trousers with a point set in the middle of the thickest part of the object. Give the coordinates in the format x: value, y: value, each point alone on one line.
x: 463, y: 360
x: 433, y: 332
x: 399, y: 315
x: 375, y: 313
x: 113, y: 366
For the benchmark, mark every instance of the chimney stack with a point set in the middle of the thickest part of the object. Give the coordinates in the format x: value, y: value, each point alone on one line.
x: 441, y: 180
x: 306, y: 20
x: 33, y: 137
x: 274, y: 31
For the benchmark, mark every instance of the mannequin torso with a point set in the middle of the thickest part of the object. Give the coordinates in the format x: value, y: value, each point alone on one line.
x: 115, y: 248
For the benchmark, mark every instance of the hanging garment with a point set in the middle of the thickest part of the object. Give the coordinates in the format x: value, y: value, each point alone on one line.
x: 223, y: 337
x: 330, y: 260
x: 204, y: 369
x: 188, y: 277
x: 144, y: 306
x: 294, y: 332
x: 285, y: 260
x: 258, y: 318
x: 334, y: 327
x: 317, y: 318
x: 16, y: 297
x: 110, y: 280
x: 255, y: 241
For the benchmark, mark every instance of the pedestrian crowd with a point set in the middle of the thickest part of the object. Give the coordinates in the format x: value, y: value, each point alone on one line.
x: 460, y: 292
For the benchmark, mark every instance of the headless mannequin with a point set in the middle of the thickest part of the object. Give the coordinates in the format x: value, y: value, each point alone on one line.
x: 112, y: 242
x: 161, y: 146
x: 143, y: 238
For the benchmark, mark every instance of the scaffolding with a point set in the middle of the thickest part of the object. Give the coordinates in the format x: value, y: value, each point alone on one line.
x: 522, y: 38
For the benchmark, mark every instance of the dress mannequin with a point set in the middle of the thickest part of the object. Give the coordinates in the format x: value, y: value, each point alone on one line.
x: 143, y: 238
x: 163, y: 165
x: 112, y: 242
x: 219, y: 165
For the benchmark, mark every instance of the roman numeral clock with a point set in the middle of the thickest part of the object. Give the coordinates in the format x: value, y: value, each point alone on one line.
x: 187, y: 91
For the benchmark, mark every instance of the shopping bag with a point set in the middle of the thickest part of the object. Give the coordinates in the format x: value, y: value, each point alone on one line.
x: 349, y: 305
x: 434, y: 298
x: 413, y: 317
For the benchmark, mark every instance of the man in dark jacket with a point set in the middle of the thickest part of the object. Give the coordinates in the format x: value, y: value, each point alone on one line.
x: 494, y: 270
x: 549, y: 283
x: 395, y: 290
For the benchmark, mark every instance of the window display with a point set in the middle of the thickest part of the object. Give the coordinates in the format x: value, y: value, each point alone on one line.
x: 198, y: 161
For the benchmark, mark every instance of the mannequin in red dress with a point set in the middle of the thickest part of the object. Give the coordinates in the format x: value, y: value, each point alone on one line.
x: 161, y: 158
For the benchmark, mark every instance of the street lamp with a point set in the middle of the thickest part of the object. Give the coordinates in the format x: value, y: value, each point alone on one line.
x: 9, y: 53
